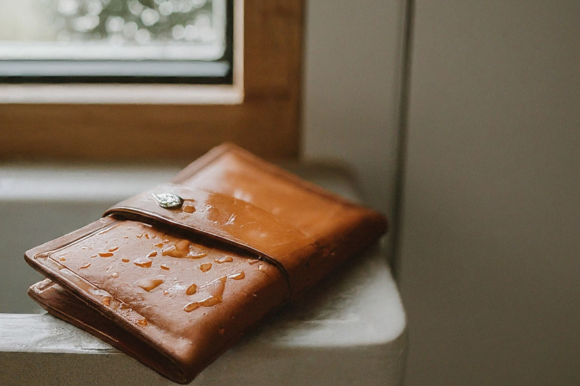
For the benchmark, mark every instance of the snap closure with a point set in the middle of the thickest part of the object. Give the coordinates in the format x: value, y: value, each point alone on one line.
x: 168, y: 200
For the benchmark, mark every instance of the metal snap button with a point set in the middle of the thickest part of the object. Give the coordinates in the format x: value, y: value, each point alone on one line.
x: 168, y: 200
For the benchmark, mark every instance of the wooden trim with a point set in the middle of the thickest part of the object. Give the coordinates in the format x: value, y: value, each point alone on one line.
x: 262, y: 117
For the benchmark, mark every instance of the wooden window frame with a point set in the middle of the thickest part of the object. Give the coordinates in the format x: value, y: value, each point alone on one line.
x: 260, y: 111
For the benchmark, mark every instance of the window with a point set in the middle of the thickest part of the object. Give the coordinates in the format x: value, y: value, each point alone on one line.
x: 121, y: 41
x: 114, y: 121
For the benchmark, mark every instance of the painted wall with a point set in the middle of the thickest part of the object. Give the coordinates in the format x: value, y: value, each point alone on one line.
x: 351, y: 88
x: 490, y: 248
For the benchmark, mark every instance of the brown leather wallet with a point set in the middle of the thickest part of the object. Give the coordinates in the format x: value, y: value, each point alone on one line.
x: 175, y: 275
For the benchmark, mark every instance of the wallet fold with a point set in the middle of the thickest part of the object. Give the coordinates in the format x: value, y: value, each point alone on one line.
x: 175, y: 275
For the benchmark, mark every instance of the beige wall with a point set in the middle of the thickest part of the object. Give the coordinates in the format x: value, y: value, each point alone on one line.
x: 490, y: 246
x: 351, y: 89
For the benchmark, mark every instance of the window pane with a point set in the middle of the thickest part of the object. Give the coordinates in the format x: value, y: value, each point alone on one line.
x: 112, y: 29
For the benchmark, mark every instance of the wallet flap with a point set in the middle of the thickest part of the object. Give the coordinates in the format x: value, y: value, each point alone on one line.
x: 228, y: 219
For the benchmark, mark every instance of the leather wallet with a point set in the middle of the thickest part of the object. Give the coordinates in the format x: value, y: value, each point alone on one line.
x: 176, y: 275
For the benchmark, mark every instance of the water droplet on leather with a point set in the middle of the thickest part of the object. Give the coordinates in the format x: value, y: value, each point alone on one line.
x: 255, y: 261
x: 62, y: 259
x: 208, y: 302
x: 182, y: 245
x: 165, y: 267
x: 215, y: 289
x: 192, y: 306
x: 169, y: 251
x: 159, y: 245
x: 106, y: 301
x: 205, y: 267
x: 238, y: 276
x: 142, y: 322
x: 142, y: 262
x: 231, y: 220
x: 93, y: 256
x: 99, y: 292
x: 106, y: 254
x: 188, y: 208
x: 152, y: 254
x: 227, y: 259
x: 179, y: 249
x: 149, y: 284
x: 125, y: 260
x: 262, y: 268
x: 191, y: 289
x: 113, y: 249
x: 87, y: 265
x: 115, y: 275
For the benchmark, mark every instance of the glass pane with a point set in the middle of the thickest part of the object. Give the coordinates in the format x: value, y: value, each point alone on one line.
x: 112, y: 29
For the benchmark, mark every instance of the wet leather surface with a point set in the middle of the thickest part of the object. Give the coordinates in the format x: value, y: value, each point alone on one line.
x: 226, y: 218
